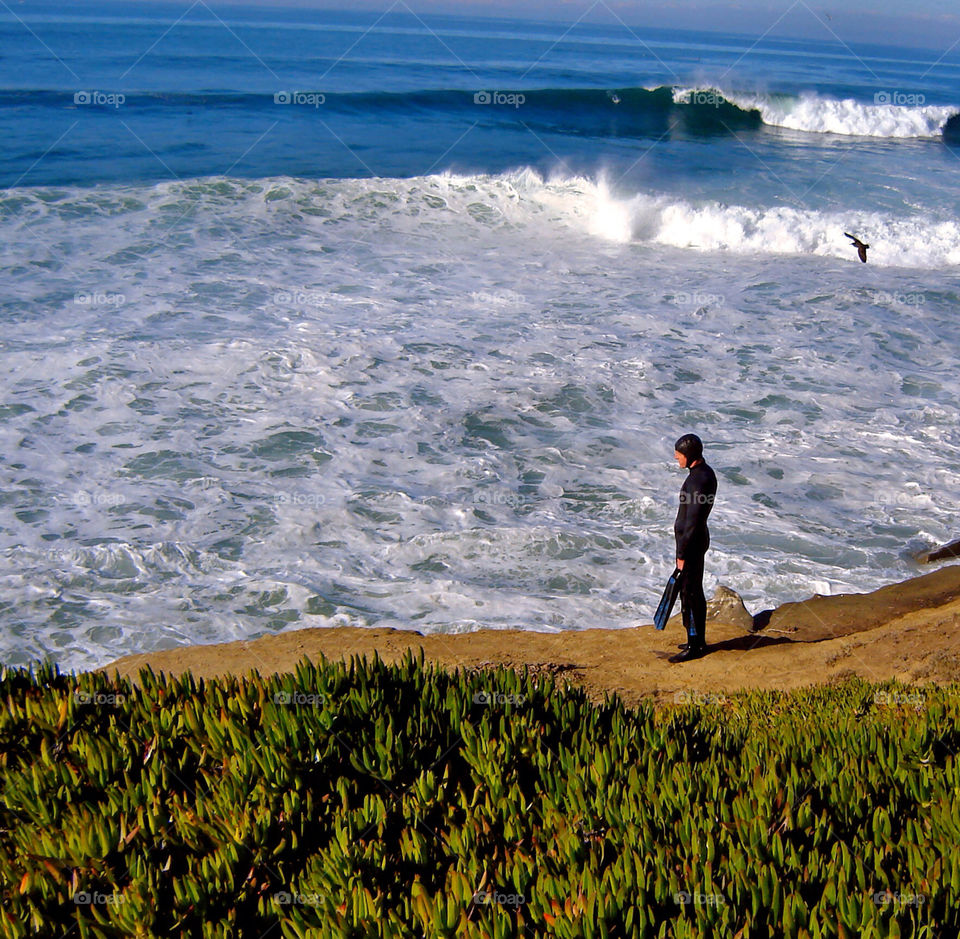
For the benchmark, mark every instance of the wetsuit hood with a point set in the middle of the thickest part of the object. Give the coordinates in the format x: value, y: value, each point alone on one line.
x: 691, y: 446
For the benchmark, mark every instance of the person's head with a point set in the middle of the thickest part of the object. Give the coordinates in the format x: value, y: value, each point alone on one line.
x: 688, y: 450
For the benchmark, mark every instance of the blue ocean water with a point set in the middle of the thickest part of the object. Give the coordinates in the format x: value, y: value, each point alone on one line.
x: 319, y: 318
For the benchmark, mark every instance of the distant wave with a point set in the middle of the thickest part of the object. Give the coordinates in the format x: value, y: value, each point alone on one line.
x: 890, y: 115
x: 626, y: 112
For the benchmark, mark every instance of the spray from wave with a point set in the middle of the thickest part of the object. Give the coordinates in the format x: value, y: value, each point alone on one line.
x: 892, y: 114
x: 465, y: 205
x: 524, y: 197
x: 895, y: 242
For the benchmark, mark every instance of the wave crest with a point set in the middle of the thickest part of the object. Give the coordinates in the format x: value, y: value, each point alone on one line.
x: 812, y: 113
x: 919, y: 242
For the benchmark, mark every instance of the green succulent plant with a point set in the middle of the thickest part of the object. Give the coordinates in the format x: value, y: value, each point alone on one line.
x: 365, y: 799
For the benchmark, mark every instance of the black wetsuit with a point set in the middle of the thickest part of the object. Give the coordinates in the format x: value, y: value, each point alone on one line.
x: 693, y: 538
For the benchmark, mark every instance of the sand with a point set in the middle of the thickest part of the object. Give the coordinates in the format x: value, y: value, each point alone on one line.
x: 907, y: 631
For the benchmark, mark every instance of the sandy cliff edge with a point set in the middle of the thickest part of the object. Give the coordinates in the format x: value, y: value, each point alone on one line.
x: 908, y: 631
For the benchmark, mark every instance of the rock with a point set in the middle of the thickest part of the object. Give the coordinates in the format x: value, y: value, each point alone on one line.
x: 821, y: 618
x: 727, y: 607
x: 951, y: 550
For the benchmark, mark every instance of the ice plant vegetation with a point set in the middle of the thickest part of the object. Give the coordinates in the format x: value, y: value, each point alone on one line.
x: 367, y: 799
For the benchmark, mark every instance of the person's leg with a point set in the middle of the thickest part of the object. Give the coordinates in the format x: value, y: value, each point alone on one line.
x: 693, y: 603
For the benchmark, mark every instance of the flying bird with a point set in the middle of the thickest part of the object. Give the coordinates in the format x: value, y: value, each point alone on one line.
x: 860, y: 246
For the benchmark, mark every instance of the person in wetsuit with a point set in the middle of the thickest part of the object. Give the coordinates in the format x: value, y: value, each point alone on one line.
x: 697, y: 496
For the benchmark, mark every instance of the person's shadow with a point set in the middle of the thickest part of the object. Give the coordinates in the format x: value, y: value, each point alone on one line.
x: 754, y: 640
x: 746, y: 643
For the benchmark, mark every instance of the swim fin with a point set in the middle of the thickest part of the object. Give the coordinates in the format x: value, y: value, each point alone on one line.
x: 669, y: 598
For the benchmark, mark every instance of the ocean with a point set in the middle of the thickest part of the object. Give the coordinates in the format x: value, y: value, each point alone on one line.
x: 316, y: 319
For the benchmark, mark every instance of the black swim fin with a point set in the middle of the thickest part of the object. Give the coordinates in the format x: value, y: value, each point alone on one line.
x: 669, y: 598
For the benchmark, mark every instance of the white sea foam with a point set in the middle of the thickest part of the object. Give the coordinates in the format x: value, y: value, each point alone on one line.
x: 517, y: 201
x: 912, y: 242
x: 447, y: 402
x: 893, y: 113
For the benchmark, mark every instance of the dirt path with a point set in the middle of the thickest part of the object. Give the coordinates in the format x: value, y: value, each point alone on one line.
x: 907, y: 631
